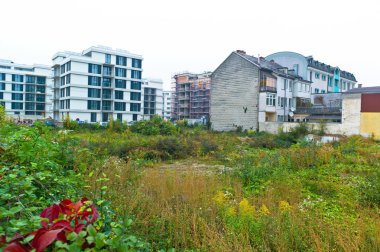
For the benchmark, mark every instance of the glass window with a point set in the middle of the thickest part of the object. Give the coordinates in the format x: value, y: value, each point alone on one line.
x: 17, y: 87
x: 40, y: 97
x: 134, y: 117
x: 30, y: 106
x: 136, y: 74
x: 106, y: 105
x: 323, y: 77
x: 93, y: 68
x: 120, y: 60
x: 94, y: 81
x: 316, y: 75
x: 121, y: 72
x: 68, y: 79
x: 119, y: 116
x: 63, y: 69
x: 93, y: 117
x: 119, y: 95
x: 106, y: 82
x: 135, y: 96
x: 30, y: 79
x: 136, y: 63
x: 93, y: 105
x: 119, y: 106
x: 107, y: 70
x: 135, y: 107
x: 17, y: 78
x: 94, y: 92
x: 267, y: 82
x: 68, y: 91
x: 135, y: 85
x: 271, y: 99
x: 108, y: 58
x: 316, y: 90
x: 120, y: 83
x: 2, y: 86
x: 2, y: 76
x: 40, y: 106
x: 17, y: 105
x: 106, y: 94
x: 40, y: 89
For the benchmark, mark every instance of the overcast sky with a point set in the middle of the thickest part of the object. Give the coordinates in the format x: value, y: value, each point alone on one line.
x: 181, y: 35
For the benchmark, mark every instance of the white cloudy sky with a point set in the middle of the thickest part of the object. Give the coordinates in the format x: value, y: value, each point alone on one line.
x: 196, y: 35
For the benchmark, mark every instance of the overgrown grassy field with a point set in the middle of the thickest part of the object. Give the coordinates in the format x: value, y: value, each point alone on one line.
x: 192, y: 189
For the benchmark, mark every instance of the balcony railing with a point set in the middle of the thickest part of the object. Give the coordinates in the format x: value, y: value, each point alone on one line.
x: 319, y: 111
x: 268, y: 89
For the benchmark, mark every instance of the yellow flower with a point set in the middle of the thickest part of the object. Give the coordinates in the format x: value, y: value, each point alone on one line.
x: 230, y: 212
x: 219, y: 198
x: 264, y: 211
x: 245, y: 208
x: 284, y: 206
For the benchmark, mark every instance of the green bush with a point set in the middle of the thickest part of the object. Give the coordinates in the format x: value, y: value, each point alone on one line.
x: 154, y: 126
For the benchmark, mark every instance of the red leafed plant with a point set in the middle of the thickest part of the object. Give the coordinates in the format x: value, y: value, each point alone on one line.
x: 58, y: 220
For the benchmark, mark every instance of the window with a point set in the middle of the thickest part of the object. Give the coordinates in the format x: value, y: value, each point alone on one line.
x: 30, y: 88
x: 61, y: 104
x: 136, y: 63
x: 62, y: 93
x: 93, y: 105
x: 135, y: 74
x: 119, y: 116
x: 93, y: 93
x: 93, y: 117
x: 40, y: 89
x: 107, y: 70
x: 119, y: 95
x: 120, y: 60
x: 2, y: 86
x: 62, y: 69
x: 135, y: 107
x: 316, y: 75
x: 68, y: 78
x: 291, y: 83
x: 271, y: 100
x: 135, y: 96
x: 63, y: 81
x: 344, y: 85
x: 267, y: 82
x: 30, y: 97
x: 40, y: 97
x: 17, y: 78
x: 93, y: 81
x: 323, y: 77
x: 119, y: 106
x: 134, y: 117
x: 30, y: 106
x: 121, y: 72
x: 106, y: 105
x: 108, y: 59
x: 30, y: 79
x: 135, y: 85
x: 2, y: 76
x: 41, y: 106
x: 68, y: 66
x: 93, y: 68
x: 106, y: 94
x: 17, y: 87
x: 68, y: 91
x: 323, y: 91
x: 106, y: 82
x: 329, y: 81
x: 316, y: 90
x: 348, y: 86
x: 1, y: 95
x: 17, y: 105
x: 120, y: 84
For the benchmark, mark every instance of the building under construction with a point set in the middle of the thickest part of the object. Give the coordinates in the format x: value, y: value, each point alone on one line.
x: 191, y: 96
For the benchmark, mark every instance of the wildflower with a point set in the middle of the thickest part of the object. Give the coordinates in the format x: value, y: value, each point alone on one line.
x: 284, y: 206
x: 245, y: 208
x: 219, y: 198
x: 230, y: 212
x: 264, y: 211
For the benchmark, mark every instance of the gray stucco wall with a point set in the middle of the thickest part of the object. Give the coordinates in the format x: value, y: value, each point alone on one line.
x: 234, y: 86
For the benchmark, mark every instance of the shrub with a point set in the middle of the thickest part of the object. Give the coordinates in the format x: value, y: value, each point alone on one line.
x: 154, y: 126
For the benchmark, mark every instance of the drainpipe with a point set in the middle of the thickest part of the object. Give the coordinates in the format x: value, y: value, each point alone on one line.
x: 285, y: 101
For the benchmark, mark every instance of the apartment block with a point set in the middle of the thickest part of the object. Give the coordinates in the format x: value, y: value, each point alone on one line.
x: 25, y: 90
x: 152, y: 97
x: 97, y: 85
x: 167, y: 104
x: 191, y: 96
x: 324, y: 78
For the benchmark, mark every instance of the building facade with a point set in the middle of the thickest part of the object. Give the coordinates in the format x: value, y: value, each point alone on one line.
x: 324, y: 78
x: 167, y: 104
x: 191, y: 96
x: 97, y: 85
x: 246, y: 90
x: 25, y: 90
x: 152, y: 98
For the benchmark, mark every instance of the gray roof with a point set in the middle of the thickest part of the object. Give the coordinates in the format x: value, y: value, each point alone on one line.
x: 365, y: 90
x: 269, y: 65
x: 327, y: 68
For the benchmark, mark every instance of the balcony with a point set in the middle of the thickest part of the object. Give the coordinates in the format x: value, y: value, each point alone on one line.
x: 268, y: 89
x: 319, y: 110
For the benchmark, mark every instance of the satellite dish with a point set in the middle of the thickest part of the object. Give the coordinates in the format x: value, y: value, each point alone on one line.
x: 291, y: 114
x: 292, y: 109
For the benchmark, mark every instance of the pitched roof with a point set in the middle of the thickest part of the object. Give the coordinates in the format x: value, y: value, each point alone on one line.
x: 365, y: 90
x: 311, y: 62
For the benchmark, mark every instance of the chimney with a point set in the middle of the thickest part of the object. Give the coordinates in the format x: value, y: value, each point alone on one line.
x: 360, y: 85
x: 240, y: 51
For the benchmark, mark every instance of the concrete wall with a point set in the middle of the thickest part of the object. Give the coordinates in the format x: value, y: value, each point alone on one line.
x: 351, y: 104
x: 234, y: 94
x: 370, y: 124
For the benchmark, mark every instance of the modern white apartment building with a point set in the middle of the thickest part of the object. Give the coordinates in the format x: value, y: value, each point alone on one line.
x: 25, y: 90
x: 167, y: 104
x: 324, y: 78
x: 98, y: 84
x: 152, y: 98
